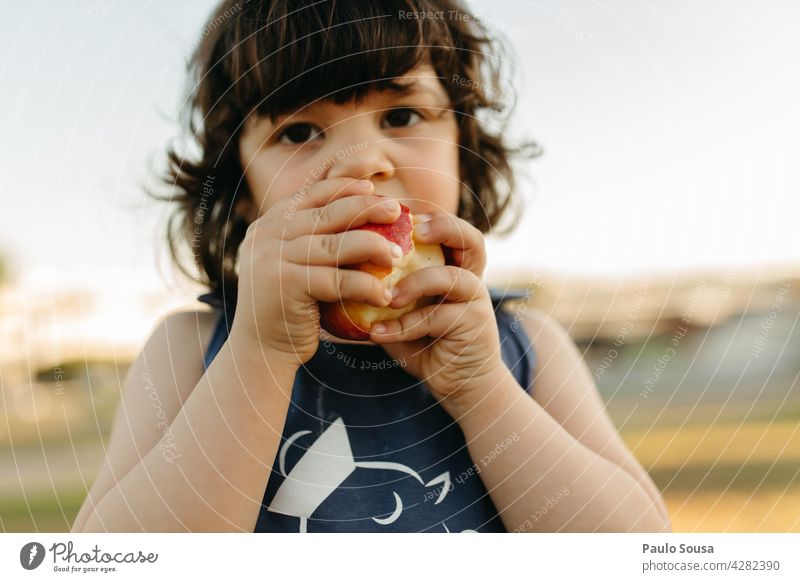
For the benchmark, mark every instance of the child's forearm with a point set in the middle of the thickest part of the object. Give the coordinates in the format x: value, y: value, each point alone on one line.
x: 539, y: 476
x: 223, y: 442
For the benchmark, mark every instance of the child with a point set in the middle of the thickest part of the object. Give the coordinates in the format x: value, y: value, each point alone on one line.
x: 312, y: 118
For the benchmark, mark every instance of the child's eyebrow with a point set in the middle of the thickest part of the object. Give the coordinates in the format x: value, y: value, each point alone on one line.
x: 438, y: 95
x: 401, y: 89
x: 405, y: 89
x: 392, y: 87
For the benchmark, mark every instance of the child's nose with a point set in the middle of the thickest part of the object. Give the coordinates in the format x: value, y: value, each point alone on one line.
x: 362, y: 160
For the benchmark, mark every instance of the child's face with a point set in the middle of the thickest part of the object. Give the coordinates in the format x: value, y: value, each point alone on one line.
x: 407, y: 145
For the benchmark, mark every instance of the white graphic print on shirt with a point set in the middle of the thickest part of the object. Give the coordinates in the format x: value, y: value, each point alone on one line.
x: 325, y: 466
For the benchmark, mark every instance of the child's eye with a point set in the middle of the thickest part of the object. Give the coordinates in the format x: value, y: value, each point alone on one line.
x: 298, y: 133
x: 403, y: 117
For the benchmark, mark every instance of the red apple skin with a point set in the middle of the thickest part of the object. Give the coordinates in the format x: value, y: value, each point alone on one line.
x: 399, y: 231
x: 352, y: 320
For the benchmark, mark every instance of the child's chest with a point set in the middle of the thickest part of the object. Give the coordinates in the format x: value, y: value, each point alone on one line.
x: 382, y: 456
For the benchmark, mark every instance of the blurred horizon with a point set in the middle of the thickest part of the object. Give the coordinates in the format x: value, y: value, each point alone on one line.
x: 112, y: 313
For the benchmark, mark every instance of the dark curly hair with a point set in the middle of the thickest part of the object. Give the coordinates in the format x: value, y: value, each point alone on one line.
x: 271, y: 57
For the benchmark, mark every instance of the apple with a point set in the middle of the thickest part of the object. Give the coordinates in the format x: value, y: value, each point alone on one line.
x: 352, y: 320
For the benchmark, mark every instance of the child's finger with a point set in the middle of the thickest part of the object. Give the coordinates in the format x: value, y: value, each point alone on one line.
x: 454, y: 283
x: 330, y: 284
x: 326, y: 191
x: 467, y: 242
x: 345, y: 248
x: 342, y: 214
x: 435, y: 321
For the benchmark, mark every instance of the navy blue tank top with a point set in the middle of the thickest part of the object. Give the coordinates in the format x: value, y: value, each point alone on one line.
x: 366, y: 447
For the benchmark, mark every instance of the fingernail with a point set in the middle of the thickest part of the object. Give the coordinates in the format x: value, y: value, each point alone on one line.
x: 395, y: 292
x: 387, y: 293
x: 379, y: 328
x: 365, y: 184
x: 391, y: 205
x: 422, y: 229
x: 397, y: 252
x: 423, y: 217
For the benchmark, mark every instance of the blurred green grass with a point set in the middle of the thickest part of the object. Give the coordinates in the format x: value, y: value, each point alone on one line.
x: 41, y: 511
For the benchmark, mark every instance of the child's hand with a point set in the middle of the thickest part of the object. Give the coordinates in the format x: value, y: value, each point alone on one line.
x: 455, y: 343
x: 288, y: 263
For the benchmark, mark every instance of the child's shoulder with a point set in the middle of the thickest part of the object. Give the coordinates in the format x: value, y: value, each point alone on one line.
x: 186, y: 327
x: 550, y: 339
x: 194, y: 317
x: 537, y: 322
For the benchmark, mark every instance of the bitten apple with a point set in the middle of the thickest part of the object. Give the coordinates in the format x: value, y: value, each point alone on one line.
x: 353, y: 320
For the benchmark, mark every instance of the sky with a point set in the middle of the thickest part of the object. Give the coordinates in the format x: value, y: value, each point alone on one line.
x: 669, y: 132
